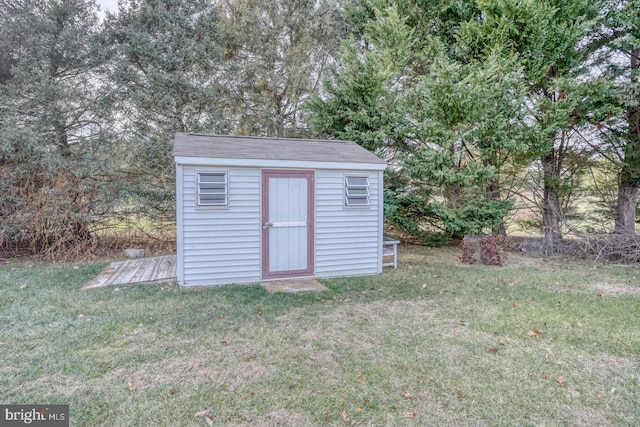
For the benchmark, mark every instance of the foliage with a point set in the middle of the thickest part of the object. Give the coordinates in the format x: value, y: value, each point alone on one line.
x: 364, y: 102
x: 277, y: 52
x: 209, y: 67
x: 55, y: 124
x: 445, y: 125
x: 622, y: 132
x: 88, y: 111
x: 469, y: 119
x: 486, y: 250
x: 167, y: 66
x: 553, y: 43
x: 469, y: 102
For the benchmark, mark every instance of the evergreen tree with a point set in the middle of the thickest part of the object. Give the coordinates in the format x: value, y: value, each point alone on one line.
x: 624, y: 67
x: 54, y: 122
x: 447, y: 122
x: 167, y: 67
x: 552, y: 42
x: 278, y: 51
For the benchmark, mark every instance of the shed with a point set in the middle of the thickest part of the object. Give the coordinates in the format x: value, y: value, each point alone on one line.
x: 251, y: 209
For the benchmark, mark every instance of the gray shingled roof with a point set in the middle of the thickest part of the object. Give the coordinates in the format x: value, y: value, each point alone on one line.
x: 244, y: 147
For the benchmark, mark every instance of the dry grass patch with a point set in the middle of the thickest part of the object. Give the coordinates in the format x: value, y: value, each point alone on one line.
x: 616, y: 289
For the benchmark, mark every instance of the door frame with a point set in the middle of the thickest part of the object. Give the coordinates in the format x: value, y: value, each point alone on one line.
x: 309, y: 175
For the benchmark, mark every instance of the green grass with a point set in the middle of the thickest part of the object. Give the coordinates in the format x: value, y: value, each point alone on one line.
x: 536, y: 342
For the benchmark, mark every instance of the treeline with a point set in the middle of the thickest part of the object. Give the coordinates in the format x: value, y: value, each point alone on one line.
x: 476, y: 105
x: 478, y: 102
x: 89, y: 107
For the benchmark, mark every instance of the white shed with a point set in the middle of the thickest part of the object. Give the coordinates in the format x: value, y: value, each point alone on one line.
x: 252, y: 209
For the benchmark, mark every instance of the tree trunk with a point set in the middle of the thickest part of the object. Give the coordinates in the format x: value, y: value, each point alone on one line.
x: 626, y: 207
x: 551, y: 211
x: 629, y: 179
x: 500, y: 230
x: 493, y: 189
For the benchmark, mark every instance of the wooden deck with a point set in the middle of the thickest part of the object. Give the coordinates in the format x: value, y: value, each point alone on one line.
x: 142, y: 270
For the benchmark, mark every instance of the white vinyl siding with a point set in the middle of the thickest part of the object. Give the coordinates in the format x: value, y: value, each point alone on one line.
x: 356, y: 191
x: 212, y: 189
x: 221, y: 246
x: 348, y: 241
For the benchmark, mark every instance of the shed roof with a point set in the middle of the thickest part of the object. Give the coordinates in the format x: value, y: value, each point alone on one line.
x: 246, y: 147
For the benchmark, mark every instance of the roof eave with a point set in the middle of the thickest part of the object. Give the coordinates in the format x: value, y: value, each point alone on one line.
x: 272, y: 163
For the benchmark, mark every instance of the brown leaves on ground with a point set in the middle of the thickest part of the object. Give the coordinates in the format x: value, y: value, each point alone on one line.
x: 560, y: 379
x: 535, y: 332
x: 495, y: 347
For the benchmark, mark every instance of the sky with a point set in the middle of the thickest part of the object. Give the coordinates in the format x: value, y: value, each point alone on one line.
x: 110, y: 5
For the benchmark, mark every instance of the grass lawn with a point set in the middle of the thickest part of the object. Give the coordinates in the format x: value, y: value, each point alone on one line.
x: 536, y: 342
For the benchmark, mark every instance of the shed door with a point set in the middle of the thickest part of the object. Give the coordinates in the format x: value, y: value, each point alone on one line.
x: 287, y: 223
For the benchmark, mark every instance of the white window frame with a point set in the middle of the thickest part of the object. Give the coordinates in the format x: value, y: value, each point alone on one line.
x: 224, y: 185
x: 353, y: 192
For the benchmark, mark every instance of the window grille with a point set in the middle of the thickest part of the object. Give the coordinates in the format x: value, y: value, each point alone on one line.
x: 212, y: 188
x: 356, y: 190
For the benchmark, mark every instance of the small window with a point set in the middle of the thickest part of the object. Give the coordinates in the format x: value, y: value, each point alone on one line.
x: 212, y: 189
x: 356, y: 190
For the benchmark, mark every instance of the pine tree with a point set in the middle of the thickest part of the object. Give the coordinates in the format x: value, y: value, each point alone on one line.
x: 54, y: 122
x: 278, y: 51
x: 553, y: 41
x: 446, y: 122
x: 167, y: 68
x: 625, y: 70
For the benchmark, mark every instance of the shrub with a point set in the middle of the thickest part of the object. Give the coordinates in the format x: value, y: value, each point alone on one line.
x: 486, y: 250
x: 616, y: 248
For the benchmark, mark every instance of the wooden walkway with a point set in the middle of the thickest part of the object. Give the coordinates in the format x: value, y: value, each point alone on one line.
x: 142, y: 270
